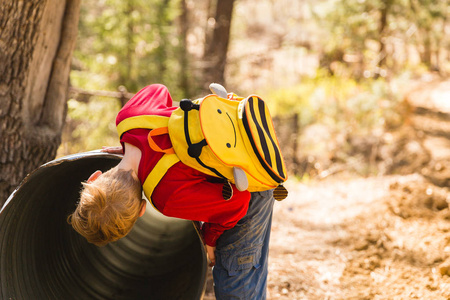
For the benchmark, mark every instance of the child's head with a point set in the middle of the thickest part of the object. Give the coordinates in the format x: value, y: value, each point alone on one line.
x: 109, y: 206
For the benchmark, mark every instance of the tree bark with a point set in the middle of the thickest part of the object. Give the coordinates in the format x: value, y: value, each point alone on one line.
x: 162, y: 23
x: 130, y: 49
x: 37, y: 38
x: 183, y: 54
x: 215, y: 56
x: 384, y: 12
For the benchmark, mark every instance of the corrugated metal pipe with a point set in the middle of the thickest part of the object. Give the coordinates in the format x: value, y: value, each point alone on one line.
x: 42, y: 257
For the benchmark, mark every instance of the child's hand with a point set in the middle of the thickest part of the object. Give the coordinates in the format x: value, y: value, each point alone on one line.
x: 212, y: 257
x: 113, y: 150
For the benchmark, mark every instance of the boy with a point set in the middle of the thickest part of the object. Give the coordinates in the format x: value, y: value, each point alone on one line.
x: 110, y: 203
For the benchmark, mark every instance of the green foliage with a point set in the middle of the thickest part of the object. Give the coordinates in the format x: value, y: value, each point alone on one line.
x: 340, y: 103
x: 367, y: 36
x: 135, y: 43
x: 131, y: 43
x: 90, y: 126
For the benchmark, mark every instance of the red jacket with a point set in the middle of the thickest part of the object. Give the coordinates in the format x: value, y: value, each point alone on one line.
x: 183, y: 192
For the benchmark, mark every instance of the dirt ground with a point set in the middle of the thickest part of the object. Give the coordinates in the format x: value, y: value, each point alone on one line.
x: 384, y: 237
x: 374, y: 238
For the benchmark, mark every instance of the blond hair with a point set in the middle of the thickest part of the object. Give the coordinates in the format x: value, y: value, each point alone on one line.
x: 108, y: 207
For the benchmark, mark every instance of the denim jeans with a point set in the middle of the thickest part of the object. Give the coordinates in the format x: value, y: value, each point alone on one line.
x: 242, y: 253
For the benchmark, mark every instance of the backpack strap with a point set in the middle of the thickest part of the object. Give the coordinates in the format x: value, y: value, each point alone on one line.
x: 194, y: 150
x: 160, y: 169
x: 153, y: 145
x: 158, y: 126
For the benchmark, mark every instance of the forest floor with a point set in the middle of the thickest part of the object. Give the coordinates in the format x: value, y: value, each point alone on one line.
x: 372, y: 238
x: 384, y: 237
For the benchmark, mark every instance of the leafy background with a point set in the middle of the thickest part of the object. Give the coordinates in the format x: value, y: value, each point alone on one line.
x: 342, y: 67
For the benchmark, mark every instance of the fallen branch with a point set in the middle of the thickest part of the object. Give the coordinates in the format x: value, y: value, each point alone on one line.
x: 83, y: 95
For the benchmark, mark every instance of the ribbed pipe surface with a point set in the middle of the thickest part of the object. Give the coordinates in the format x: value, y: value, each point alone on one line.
x: 42, y: 257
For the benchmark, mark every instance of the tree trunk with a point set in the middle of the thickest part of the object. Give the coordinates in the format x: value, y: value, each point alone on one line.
x: 183, y: 54
x: 382, y: 28
x: 210, y: 20
x: 216, y: 51
x: 126, y: 77
x: 426, y: 54
x: 37, y: 38
x: 162, y: 24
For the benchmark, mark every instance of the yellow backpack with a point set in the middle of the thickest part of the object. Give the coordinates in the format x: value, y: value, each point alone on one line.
x: 222, y: 135
x: 230, y: 137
